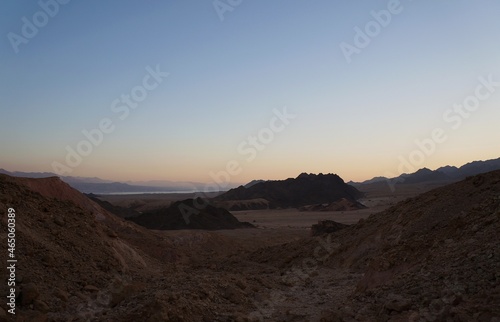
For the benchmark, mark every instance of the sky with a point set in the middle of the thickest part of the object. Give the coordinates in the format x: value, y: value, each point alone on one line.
x: 239, y: 90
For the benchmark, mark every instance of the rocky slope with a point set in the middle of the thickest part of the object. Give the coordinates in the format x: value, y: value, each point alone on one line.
x: 435, y: 257
x: 69, y: 249
x: 77, y: 262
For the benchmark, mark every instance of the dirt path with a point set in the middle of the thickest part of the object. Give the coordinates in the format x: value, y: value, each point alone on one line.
x: 307, y: 297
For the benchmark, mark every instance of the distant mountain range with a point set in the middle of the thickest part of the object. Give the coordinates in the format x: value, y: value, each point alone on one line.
x: 446, y: 174
x: 305, y: 190
x: 100, y: 186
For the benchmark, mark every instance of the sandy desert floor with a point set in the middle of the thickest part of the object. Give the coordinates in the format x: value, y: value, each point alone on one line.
x: 295, y: 219
x: 378, y: 198
x: 274, y: 226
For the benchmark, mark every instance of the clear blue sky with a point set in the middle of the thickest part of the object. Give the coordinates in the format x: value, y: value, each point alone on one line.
x: 357, y: 119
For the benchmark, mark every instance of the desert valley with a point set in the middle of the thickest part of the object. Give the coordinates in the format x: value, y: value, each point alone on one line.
x: 241, y: 161
x: 311, y: 248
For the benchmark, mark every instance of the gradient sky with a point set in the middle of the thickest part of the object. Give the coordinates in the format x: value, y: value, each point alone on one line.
x: 356, y: 119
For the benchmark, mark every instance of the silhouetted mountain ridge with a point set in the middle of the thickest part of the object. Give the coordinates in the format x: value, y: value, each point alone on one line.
x: 445, y: 174
x: 306, y: 189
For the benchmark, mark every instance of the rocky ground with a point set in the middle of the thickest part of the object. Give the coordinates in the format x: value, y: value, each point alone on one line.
x: 435, y: 257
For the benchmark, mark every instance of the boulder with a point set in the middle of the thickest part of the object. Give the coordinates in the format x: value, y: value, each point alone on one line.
x: 326, y: 227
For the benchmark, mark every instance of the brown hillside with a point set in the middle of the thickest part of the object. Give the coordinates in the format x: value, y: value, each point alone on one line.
x: 78, y: 262
x: 70, y: 251
x: 435, y: 257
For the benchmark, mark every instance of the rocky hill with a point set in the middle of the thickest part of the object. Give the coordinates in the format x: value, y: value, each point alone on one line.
x: 305, y: 190
x: 435, y: 257
x: 185, y: 215
x: 78, y: 262
x: 70, y: 250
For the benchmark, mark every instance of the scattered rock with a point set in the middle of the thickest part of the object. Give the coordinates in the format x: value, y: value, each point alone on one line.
x: 397, y: 303
x: 41, y: 306
x: 241, y: 284
x: 34, y: 316
x: 232, y: 294
x: 62, y: 295
x: 59, y: 221
x: 90, y: 288
x: 48, y: 260
x: 326, y: 227
x: 3, y: 315
x: 112, y: 234
x: 82, y: 297
x: 29, y: 293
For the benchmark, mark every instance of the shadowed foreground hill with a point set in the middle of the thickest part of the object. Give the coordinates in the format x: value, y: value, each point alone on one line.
x: 435, y: 257
x: 70, y: 251
x: 78, y: 262
x: 185, y: 215
x: 305, y: 190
